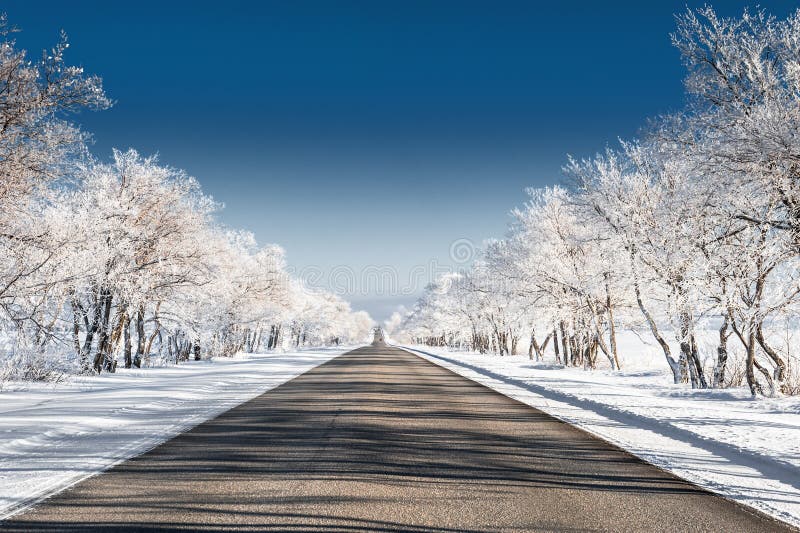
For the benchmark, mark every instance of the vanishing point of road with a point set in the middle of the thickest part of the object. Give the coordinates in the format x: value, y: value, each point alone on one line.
x: 381, y: 440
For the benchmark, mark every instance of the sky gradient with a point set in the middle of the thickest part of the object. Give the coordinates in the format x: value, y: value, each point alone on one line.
x: 369, y: 136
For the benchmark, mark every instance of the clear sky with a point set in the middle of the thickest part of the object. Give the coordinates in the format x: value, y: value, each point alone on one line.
x: 366, y: 136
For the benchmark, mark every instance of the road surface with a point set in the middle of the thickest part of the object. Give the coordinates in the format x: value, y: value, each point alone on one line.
x: 379, y: 439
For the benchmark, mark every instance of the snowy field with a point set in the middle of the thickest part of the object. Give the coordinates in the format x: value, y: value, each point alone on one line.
x: 53, y: 436
x: 747, y: 450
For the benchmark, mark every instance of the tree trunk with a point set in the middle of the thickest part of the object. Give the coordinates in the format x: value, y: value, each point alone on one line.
x: 689, y: 352
x: 599, y: 334
x: 750, y: 346
x: 128, y: 348
x: 564, y: 343
x: 701, y: 375
x: 141, y: 339
x: 539, y: 350
x: 156, y: 333
x: 678, y: 369
x: 767, y: 377
x: 722, y: 354
x: 555, y: 346
x: 103, y: 341
x: 91, y: 330
x: 575, y: 349
x: 780, y: 365
x: 612, y: 329
x: 78, y: 315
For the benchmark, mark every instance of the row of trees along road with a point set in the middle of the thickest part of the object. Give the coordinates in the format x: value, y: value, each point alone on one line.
x: 103, y: 262
x: 695, y: 227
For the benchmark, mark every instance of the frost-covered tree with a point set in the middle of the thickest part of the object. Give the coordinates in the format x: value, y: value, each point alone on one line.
x: 123, y: 261
x: 38, y: 147
x: 694, y: 227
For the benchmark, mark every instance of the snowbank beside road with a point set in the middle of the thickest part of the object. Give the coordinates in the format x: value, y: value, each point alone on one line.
x: 747, y: 450
x: 54, y: 436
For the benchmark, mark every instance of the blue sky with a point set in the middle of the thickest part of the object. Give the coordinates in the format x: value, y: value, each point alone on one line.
x: 369, y: 135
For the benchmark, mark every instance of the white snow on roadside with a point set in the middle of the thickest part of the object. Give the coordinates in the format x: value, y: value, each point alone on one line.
x: 52, y: 436
x: 746, y: 450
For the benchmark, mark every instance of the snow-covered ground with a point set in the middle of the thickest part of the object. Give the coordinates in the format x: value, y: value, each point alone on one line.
x: 747, y: 450
x: 52, y: 436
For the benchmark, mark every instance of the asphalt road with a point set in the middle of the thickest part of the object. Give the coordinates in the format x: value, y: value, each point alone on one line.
x: 379, y: 439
